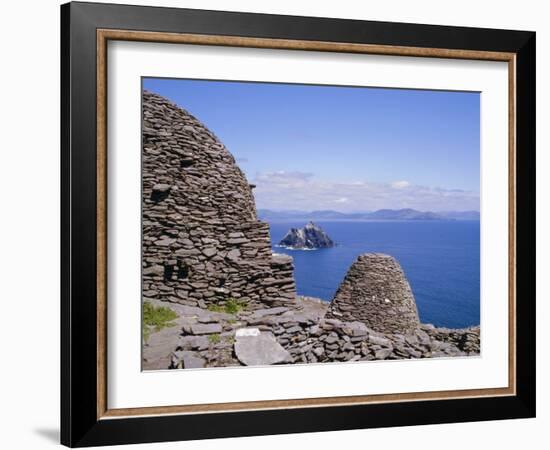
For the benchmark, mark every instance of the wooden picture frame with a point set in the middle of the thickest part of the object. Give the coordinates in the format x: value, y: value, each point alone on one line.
x: 85, y: 416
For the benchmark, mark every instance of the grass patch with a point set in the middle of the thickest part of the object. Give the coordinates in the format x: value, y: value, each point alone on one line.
x: 233, y: 306
x: 216, y: 308
x: 214, y: 338
x: 230, y: 306
x: 155, y: 319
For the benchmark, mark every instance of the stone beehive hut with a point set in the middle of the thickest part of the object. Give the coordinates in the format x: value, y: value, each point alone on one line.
x: 202, y: 241
x: 376, y: 292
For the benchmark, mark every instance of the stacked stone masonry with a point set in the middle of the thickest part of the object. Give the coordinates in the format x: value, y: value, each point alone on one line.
x: 307, y: 337
x: 202, y: 241
x: 376, y: 292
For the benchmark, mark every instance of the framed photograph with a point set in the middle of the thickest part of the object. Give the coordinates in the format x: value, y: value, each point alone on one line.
x: 277, y: 224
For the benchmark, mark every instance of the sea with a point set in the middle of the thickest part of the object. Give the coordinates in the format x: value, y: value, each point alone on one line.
x: 440, y: 260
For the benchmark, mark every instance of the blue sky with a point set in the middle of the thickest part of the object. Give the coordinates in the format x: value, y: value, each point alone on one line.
x: 342, y: 148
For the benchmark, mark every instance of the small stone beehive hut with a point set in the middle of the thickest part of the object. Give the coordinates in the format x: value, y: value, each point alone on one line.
x: 376, y: 292
x: 201, y: 239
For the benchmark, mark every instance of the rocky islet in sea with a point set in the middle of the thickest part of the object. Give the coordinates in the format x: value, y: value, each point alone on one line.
x: 309, y: 237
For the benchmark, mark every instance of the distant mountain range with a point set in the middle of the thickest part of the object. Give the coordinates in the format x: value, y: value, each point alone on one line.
x: 381, y: 214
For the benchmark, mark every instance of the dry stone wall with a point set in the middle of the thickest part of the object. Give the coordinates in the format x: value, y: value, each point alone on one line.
x: 376, y: 292
x: 300, y: 335
x: 201, y: 240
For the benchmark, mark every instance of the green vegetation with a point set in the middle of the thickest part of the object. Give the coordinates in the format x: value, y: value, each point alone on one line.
x: 216, y: 308
x: 155, y: 319
x: 230, y: 306
x: 214, y: 338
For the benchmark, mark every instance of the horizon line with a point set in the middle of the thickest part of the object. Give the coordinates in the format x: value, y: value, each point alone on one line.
x: 368, y: 211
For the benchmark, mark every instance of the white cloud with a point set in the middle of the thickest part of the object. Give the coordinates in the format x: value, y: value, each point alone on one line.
x: 400, y: 184
x: 302, y: 190
x: 341, y: 200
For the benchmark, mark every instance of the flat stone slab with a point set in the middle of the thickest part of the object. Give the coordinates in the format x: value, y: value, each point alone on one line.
x: 268, y: 312
x: 194, y: 342
x: 207, y: 319
x: 247, y: 332
x: 259, y: 349
x: 161, y: 187
x: 377, y: 340
x: 355, y: 329
x: 188, y: 360
x: 383, y: 353
x: 281, y: 259
x: 205, y: 328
